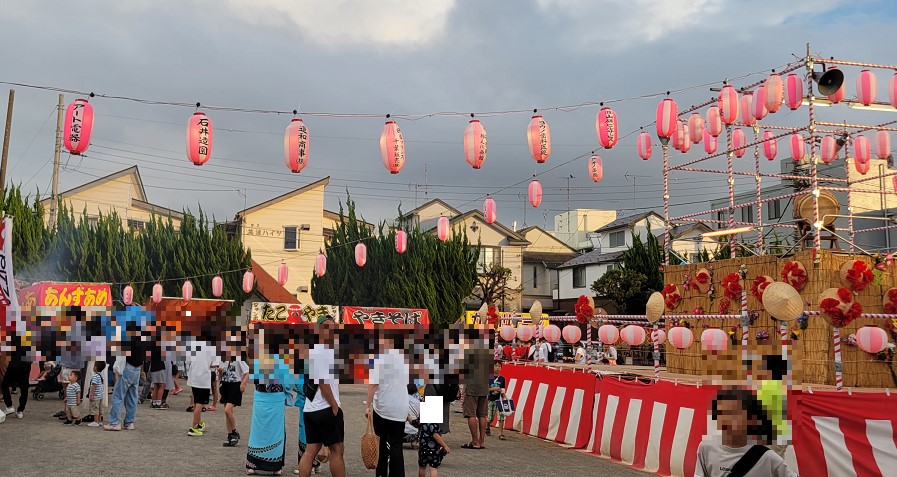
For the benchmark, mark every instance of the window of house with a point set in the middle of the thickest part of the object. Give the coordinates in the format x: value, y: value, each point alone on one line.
x: 579, y: 277
x: 93, y: 220
x: 774, y: 209
x: 488, y: 256
x: 747, y: 214
x: 618, y: 239
x: 136, y: 224
x: 535, y: 277
x: 291, y: 238
x: 721, y: 219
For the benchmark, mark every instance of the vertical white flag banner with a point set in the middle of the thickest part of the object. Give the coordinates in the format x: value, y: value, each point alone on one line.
x: 9, y: 302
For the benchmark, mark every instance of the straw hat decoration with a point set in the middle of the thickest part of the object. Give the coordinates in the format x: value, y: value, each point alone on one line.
x: 795, y: 274
x: 839, y: 306
x: 856, y: 275
x: 782, y: 301
x: 535, y: 311
x: 759, y: 285
x: 702, y: 280
x: 671, y: 296
x: 595, y: 322
x: 654, y: 308
x: 889, y: 302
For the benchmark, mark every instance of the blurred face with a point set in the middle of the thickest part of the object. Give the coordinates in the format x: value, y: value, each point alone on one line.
x: 731, y: 419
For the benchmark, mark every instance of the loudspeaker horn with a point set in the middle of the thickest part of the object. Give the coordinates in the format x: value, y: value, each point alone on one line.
x: 829, y: 81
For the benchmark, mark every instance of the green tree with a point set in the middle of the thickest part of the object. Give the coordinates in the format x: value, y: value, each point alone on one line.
x: 31, y: 239
x: 625, y: 288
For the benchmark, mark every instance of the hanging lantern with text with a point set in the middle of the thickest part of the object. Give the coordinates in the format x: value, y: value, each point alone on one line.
x: 758, y: 104
x: 187, y: 290
x: 320, y: 265
x: 695, y: 128
x: 828, y: 149
x: 78, y: 126
x: 774, y: 92
x: 644, y: 145
x: 361, y: 254
x: 710, y: 142
x: 217, y: 286
x: 538, y: 138
x: 127, y: 295
x: 283, y: 273
x: 248, y: 281
x: 606, y: 127
x: 199, y: 138
x: 867, y: 87
x: 739, y: 142
x: 489, y: 210
x: 442, y: 228
x: 667, y: 118
x: 770, y: 145
x: 596, y: 169
x: 157, y: 293
x: 882, y: 144
x: 797, y: 147
x: 747, y: 112
x: 475, y: 144
x: 728, y: 105
x: 534, y: 193
x: 295, y: 146
x: 401, y: 241
x: 714, y: 124
x: 794, y: 91
x: 392, y: 147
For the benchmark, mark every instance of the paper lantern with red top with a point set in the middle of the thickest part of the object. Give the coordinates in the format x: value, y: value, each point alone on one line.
x: 538, y: 138
x: 507, y: 333
x: 551, y: 333
x: 401, y: 241
x: 442, y: 228
x: 714, y: 339
x: 667, y: 121
x: 758, y: 104
x: 710, y: 142
x: 872, y: 339
x: 794, y: 91
x: 679, y: 137
x: 608, y: 334
x: 728, y: 105
x: 157, y: 293
x: 882, y: 144
x: 770, y: 145
x: 739, y: 142
x: 695, y: 128
x: 475, y: 144
x: 283, y: 273
x: 797, y: 147
x: 606, y: 128
x: 862, y: 167
x: 633, y: 335
x: 867, y: 87
x: 320, y: 265
x: 747, y: 110
x: 596, y: 168
x: 659, y: 336
x: 127, y: 295
x: 862, y: 150
x: 296, y: 142
x: 714, y: 123
x: 248, y: 281
x: 644, y: 145
x: 892, y: 90
x: 572, y: 334
x: 489, y: 210
x: 534, y: 193
x: 680, y: 337
x: 774, y: 91
x: 77, y: 126
x: 392, y: 147
x: 837, y: 96
x: 361, y: 254
x: 828, y: 149
x: 187, y: 290
x: 525, y: 333
x: 199, y: 138
x: 217, y: 286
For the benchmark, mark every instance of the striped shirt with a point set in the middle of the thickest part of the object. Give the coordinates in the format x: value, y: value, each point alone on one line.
x: 97, y: 382
x: 71, y: 394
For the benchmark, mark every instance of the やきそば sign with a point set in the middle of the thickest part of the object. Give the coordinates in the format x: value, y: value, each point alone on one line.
x: 353, y: 315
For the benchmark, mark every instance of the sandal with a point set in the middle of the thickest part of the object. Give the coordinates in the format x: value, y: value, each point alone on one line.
x: 470, y: 445
x: 501, y: 437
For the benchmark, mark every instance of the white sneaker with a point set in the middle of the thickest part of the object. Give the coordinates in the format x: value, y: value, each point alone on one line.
x: 10, y: 410
x: 94, y: 424
x: 20, y: 415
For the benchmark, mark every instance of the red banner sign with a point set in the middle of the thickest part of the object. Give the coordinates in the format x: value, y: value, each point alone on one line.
x: 66, y: 294
x: 353, y: 315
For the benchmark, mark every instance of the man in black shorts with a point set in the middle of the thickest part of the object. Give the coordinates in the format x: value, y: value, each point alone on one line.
x: 233, y: 384
x: 324, y: 425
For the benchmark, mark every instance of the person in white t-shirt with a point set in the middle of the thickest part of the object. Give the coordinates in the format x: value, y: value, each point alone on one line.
x: 235, y: 374
x: 544, y: 350
x: 203, y: 359
x: 388, y: 399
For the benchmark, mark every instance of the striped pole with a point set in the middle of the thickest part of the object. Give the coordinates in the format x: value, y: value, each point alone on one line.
x: 839, y: 378
x: 745, y: 332
x: 656, y: 354
x: 589, y: 343
x: 783, y: 333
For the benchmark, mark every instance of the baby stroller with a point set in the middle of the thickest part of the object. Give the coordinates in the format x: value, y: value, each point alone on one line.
x: 50, y: 383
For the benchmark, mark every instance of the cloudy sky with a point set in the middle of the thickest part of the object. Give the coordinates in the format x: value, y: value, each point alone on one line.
x: 405, y: 58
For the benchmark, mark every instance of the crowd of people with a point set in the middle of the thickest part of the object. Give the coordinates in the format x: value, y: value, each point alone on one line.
x: 540, y: 350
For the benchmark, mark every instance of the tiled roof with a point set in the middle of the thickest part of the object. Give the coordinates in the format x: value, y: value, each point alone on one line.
x: 267, y: 286
x: 627, y: 221
x: 593, y: 258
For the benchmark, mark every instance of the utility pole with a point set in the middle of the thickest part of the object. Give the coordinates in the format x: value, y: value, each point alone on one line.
x: 634, y: 177
x: 55, y: 196
x: 12, y: 98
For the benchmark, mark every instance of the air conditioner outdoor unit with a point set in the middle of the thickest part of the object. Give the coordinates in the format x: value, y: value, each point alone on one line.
x: 305, y: 226
x: 303, y: 289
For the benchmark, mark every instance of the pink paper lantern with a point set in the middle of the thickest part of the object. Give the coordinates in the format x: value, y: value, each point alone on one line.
x: 525, y: 333
x: 770, y: 145
x: 714, y: 339
x: 199, y: 138
x: 774, y: 92
x: 681, y: 337
x: 747, y: 111
x: 77, y: 126
x: 728, y: 105
x: 862, y: 167
x: 828, y: 149
x: 534, y: 193
x: 401, y: 241
x: 127, y: 295
x: 551, y: 333
x: 572, y: 334
x: 872, y: 339
x: 507, y: 333
x: 361, y: 254
x: 714, y: 123
x: 608, y: 334
x: 739, y: 142
x: 489, y: 210
x: 596, y: 168
x: 248, y: 281
x: 644, y: 145
x: 296, y: 142
x: 681, y: 141
x: 217, y: 286
x: 667, y: 118
x: 837, y: 96
x: 283, y: 273
x: 695, y: 128
x: 758, y: 105
x: 892, y: 90
x: 710, y: 142
x: 867, y: 87
x: 633, y: 335
x: 606, y: 127
x: 157, y: 293
x: 797, y: 147
x: 882, y: 144
x: 862, y: 150
x: 538, y: 138
x: 475, y: 144
x: 320, y: 265
x: 794, y: 91
x: 442, y: 228
x: 659, y: 336
x: 392, y: 147
x: 187, y: 290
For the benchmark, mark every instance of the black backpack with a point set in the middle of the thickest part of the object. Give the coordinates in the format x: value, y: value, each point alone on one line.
x: 449, y: 391
x: 550, y: 353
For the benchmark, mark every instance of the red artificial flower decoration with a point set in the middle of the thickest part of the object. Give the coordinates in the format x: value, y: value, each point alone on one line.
x: 731, y: 286
x: 794, y: 274
x: 859, y: 276
x: 724, y: 306
x: 842, y: 310
x: 758, y: 286
x: 702, y: 277
x: 492, y: 315
x: 890, y: 304
x: 583, y: 310
x: 671, y: 296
